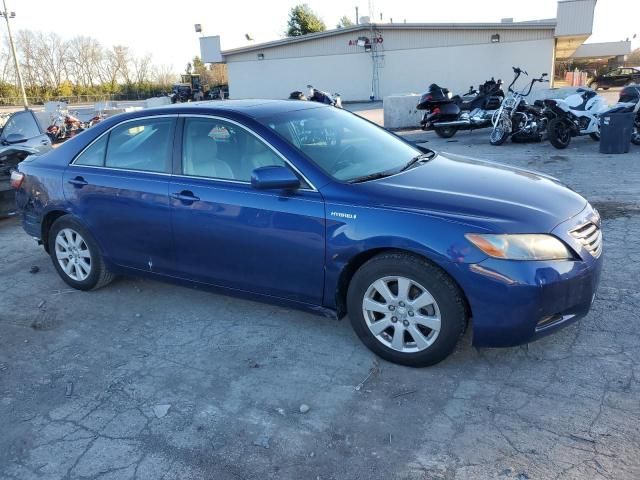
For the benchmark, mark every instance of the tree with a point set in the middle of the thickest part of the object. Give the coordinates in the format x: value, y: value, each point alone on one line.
x: 164, y: 76
x: 634, y: 57
x: 303, y: 20
x: 344, y: 22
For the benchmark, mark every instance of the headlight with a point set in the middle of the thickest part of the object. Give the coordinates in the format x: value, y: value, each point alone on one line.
x: 521, y: 246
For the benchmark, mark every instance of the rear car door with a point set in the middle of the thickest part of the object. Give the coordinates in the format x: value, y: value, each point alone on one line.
x: 227, y: 233
x: 118, y: 186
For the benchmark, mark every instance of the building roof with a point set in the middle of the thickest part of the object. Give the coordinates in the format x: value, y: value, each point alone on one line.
x: 602, y: 50
x: 549, y: 24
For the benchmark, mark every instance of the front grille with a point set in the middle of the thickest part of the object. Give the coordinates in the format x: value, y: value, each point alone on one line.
x: 590, y: 236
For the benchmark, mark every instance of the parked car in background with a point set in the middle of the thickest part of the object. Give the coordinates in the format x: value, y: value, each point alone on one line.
x: 22, y: 135
x: 312, y: 207
x: 618, y: 77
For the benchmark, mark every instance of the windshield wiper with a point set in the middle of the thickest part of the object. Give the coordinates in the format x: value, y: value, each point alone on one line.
x: 372, y: 176
x: 423, y: 157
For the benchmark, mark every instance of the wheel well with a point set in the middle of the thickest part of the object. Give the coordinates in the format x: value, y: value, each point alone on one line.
x: 356, y: 262
x: 47, y: 221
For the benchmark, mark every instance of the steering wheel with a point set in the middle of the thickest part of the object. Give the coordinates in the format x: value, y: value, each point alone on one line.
x: 342, y: 159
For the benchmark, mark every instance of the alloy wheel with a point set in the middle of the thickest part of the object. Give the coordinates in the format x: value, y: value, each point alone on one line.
x: 73, y: 255
x: 401, y: 314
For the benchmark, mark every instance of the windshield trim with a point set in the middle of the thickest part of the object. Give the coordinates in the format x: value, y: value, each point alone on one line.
x: 263, y: 120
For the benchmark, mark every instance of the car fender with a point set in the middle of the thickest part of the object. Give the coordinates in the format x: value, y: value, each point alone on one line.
x: 355, y: 233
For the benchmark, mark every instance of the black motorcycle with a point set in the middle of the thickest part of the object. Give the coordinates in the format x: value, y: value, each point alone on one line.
x: 446, y: 114
x: 629, y: 101
x: 516, y: 118
x: 319, y: 96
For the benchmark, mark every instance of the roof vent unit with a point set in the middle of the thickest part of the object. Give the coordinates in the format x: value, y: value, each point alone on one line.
x: 507, y: 20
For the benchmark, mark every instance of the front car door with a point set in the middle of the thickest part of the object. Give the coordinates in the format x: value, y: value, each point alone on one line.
x: 118, y: 186
x: 25, y: 125
x: 227, y: 233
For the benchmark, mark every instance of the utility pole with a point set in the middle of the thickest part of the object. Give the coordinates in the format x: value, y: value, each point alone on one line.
x: 5, y: 13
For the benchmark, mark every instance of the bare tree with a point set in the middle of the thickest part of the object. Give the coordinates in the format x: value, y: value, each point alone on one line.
x: 141, y: 69
x: 164, y: 76
x: 84, y: 60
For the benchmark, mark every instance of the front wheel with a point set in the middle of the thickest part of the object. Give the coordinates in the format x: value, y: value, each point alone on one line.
x: 76, y: 256
x: 595, y: 136
x: 559, y: 133
x: 446, y: 132
x: 501, y: 131
x: 406, y: 310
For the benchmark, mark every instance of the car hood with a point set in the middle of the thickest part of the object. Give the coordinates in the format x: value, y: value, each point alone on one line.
x: 488, y: 195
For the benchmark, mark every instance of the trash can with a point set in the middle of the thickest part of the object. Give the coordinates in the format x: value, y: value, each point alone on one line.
x: 615, y: 132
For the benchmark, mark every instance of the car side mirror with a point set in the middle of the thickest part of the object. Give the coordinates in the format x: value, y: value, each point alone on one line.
x: 13, y: 138
x: 274, y: 177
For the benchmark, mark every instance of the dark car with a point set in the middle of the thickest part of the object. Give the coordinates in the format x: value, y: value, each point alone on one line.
x: 312, y: 207
x: 618, y: 77
x: 22, y: 135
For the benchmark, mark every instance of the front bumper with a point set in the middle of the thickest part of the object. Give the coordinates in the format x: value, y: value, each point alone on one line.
x: 516, y: 302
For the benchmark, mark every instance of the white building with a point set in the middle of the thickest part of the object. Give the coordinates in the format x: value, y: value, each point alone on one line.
x: 384, y: 59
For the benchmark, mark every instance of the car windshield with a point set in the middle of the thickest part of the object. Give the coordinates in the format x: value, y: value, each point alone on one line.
x: 345, y: 146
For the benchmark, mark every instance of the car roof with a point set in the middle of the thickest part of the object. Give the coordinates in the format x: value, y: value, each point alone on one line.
x: 249, y: 108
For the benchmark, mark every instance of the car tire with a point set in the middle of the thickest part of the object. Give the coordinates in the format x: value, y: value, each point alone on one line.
x: 406, y: 340
x: 76, y: 256
x: 595, y: 136
x: 445, y: 132
x: 558, y: 133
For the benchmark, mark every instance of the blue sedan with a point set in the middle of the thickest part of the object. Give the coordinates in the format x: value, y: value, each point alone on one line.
x: 314, y: 208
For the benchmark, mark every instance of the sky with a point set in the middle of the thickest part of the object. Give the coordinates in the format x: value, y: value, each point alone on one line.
x: 165, y: 29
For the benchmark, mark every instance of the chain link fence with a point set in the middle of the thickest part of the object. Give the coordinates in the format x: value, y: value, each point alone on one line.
x: 73, y: 99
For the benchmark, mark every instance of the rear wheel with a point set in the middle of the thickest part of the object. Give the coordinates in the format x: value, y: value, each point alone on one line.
x: 635, y: 135
x: 406, y: 310
x: 559, y: 133
x: 446, y: 132
x: 76, y: 256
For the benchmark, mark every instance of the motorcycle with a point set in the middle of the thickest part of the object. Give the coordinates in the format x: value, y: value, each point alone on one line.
x: 629, y: 101
x: 97, y: 118
x: 446, y: 114
x: 576, y: 115
x: 66, y: 125
x: 319, y: 96
x: 516, y: 118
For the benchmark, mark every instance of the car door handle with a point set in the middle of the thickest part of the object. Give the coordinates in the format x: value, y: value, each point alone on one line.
x: 78, y: 182
x: 185, y: 196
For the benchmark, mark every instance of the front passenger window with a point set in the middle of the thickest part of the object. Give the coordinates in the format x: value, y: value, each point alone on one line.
x: 218, y: 149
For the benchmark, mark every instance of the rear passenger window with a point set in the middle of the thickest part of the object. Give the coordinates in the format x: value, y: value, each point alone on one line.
x: 141, y: 145
x: 94, y: 155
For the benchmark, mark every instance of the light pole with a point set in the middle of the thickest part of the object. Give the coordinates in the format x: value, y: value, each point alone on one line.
x: 7, y: 15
